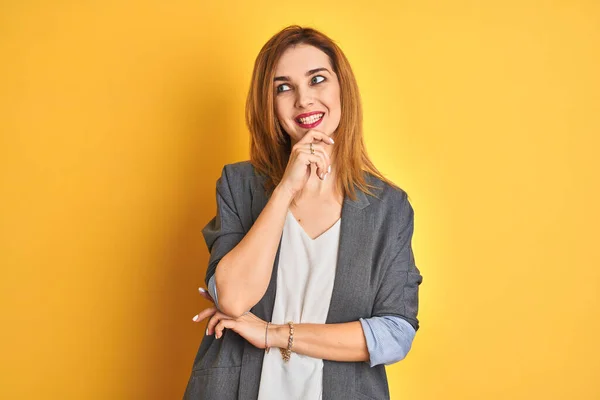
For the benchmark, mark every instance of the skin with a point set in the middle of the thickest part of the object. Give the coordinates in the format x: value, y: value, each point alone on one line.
x: 316, y: 205
x: 308, y: 190
x: 299, y: 93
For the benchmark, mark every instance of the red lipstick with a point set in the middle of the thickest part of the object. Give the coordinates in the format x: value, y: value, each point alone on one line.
x: 306, y: 115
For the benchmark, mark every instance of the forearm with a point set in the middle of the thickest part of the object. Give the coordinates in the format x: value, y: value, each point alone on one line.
x: 242, y: 276
x: 333, y: 342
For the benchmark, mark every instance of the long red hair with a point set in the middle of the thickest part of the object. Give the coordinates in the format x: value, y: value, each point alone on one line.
x: 270, y: 146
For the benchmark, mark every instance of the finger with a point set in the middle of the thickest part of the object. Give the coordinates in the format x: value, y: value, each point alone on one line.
x: 307, y: 158
x: 317, y: 158
x: 214, y: 321
x: 316, y: 136
x: 302, y: 144
x: 225, y: 323
x: 318, y: 147
x: 204, y: 293
x: 319, y: 136
x: 204, y: 313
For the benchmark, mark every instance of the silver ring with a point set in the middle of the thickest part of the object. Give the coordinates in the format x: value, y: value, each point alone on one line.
x: 312, y: 150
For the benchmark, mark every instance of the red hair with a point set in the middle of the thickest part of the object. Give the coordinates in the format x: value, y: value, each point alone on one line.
x: 270, y: 146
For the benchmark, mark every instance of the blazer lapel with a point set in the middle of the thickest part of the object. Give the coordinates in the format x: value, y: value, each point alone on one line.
x: 355, y: 233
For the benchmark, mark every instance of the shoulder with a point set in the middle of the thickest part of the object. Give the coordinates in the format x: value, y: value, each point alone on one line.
x: 389, y: 209
x: 240, y: 181
x: 241, y: 173
x: 239, y: 170
x: 391, y: 213
x: 389, y: 198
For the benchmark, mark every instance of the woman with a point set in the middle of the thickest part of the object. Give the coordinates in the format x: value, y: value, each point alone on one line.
x: 308, y: 236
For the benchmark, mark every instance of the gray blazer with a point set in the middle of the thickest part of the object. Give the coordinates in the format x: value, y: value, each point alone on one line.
x: 375, y: 275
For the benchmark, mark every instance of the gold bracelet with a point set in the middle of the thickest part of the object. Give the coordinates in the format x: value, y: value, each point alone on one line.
x: 286, y: 353
x: 267, y: 348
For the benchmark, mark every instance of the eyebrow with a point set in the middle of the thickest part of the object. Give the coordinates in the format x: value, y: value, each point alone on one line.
x: 312, y: 71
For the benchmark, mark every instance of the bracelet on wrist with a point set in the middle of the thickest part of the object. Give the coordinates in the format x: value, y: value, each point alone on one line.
x: 267, y: 348
x: 286, y: 353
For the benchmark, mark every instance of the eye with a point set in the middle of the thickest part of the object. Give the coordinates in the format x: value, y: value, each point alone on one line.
x: 281, y: 88
x: 317, y: 79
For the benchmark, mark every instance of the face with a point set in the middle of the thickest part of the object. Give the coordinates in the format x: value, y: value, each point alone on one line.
x: 307, y: 92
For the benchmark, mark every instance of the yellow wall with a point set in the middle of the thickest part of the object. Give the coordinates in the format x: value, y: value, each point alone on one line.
x: 115, y: 121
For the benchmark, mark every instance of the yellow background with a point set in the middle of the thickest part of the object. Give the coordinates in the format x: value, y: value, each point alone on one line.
x: 117, y: 117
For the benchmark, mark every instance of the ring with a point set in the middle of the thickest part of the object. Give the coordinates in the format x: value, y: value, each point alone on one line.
x: 312, y: 151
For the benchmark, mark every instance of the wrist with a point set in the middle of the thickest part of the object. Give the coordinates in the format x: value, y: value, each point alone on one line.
x: 278, y: 335
x: 283, y: 194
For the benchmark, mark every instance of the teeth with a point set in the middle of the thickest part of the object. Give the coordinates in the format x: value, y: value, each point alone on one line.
x: 313, y: 118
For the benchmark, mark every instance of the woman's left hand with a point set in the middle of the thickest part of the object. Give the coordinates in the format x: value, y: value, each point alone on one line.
x: 248, y: 325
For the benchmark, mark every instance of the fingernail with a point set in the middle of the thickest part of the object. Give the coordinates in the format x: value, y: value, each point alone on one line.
x: 329, y: 169
x: 331, y: 140
x: 325, y: 177
x: 195, y: 318
x: 202, y: 290
x: 206, y: 331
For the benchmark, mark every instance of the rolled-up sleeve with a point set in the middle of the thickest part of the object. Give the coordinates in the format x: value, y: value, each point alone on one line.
x: 389, y: 339
x: 212, y: 290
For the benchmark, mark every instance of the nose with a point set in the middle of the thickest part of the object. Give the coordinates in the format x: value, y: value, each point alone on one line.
x: 304, y: 98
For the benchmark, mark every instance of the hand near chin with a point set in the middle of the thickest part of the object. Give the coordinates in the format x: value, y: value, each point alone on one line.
x: 248, y: 325
x: 309, y: 150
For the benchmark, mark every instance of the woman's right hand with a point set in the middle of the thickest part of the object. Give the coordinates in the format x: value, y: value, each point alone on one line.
x: 297, y: 171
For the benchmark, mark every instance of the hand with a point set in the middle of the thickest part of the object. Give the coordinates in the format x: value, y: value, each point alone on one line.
x: 249, y: 326
x: 297, y: 171
x: 207, y: 311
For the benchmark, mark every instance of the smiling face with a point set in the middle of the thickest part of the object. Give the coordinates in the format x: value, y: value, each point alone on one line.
x: 307, y: 92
